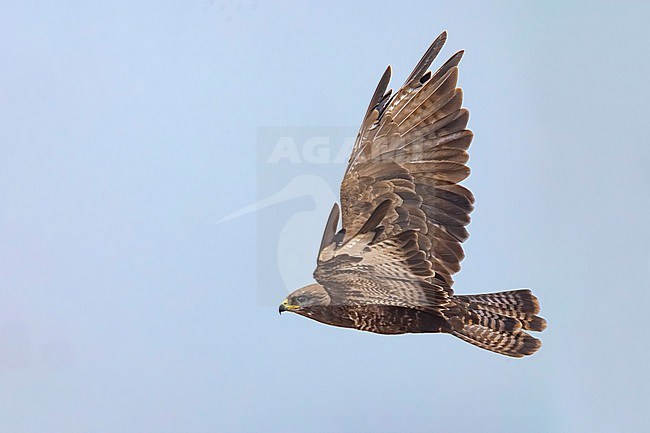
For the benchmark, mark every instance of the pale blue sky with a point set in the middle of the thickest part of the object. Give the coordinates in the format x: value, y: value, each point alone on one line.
x: 128, y: 130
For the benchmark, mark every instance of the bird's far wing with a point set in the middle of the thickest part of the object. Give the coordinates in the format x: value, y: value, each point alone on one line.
x: 411, y: 150
x: 330, y: 228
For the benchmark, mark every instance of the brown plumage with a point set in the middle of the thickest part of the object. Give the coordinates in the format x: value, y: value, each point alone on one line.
x: 389, y: 268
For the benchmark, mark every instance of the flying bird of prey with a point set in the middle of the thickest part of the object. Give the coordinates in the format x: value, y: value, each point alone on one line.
x: 389, y: 268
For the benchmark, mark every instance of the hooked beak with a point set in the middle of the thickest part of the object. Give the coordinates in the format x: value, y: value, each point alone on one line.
x: 286, y: 306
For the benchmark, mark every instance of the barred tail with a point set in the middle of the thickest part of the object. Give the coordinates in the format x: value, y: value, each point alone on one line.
x: 498, y: 321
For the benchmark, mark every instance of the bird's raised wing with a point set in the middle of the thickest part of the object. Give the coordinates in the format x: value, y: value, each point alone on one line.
x: 411, y: 151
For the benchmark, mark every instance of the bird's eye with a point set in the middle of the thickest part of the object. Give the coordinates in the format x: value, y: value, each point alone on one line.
x: 301, y: 298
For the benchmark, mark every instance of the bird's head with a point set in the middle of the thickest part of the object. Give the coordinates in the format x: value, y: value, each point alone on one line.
x: 313, y: 295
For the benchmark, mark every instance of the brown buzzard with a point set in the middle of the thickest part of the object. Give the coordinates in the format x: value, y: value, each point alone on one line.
x: 389, y: 268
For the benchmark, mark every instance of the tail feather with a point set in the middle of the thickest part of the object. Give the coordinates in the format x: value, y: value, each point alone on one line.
x: 533, y: 323
x: 497, y: 321
x: 517, y: 344
x: 522, y: 301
